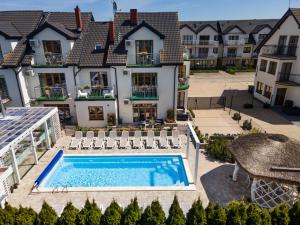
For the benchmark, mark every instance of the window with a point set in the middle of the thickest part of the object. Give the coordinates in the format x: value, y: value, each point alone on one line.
x: 187, y: 39
x: 142, y: 112
x: 204, y: 39
x: 247, y: 49
x: 262, y: 37
x: 233, y: 37
x: 263, y: 65
x: 98, y: 79
x: 3, y: 89
x: 144, y: 52
x: 216, y: 37
x: 215, y: 50
x: 203, y: 52
x: 259, y: 87
x: 52, y: 79
x: 96, y: 112
x: 144, y: 79
x: 52, y: 47
x: 272, y: 68
x: 1, y: 54
x: 267, y: 92
x: 231, y: 52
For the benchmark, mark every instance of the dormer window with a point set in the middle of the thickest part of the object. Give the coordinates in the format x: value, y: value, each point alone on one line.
x: 98, y: 47
x: 144, y: 52
x: 52, y: 51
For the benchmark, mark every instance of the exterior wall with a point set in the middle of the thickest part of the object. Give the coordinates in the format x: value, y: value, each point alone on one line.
x: 187, y: 31
x: 7, y: 45
x: 165, y: 88
x: 266, y: 30
x: 83, y: 77
x: 49, y: 34
x: 293, y: 93
x: 83, y: 113
x: 144, y: 34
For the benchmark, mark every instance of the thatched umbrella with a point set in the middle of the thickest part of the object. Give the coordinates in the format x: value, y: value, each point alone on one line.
x: 273, y: 158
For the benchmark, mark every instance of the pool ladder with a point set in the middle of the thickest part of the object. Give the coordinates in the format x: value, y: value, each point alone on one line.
x: 64, y: 188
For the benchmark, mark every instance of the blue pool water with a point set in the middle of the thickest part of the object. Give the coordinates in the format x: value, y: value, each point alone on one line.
x: 117, y: 171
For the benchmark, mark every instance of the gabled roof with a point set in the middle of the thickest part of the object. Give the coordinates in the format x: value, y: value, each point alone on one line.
x: 258, y: 28
x: 141, y: 25
x: 295, y: 13
x: 8, y: 30
x: 165, y: 23
x: 232, y: 27
x: 198, y: 26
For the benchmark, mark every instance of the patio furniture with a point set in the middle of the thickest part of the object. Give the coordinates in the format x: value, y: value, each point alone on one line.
x: 99, y: 141
x: 111, y: 140
x: 150, y: 142
x: 163, y: 141
x: 88, y: 141
x: 176, y: 143
x: 123, y: 143
x: 136, y: 142
x: 82, y: 94
x: 75, y: 142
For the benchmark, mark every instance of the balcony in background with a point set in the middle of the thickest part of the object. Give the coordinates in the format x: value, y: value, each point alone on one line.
x: 208, y: 42
x: 288, y: 79
x: 95, y: 93
x: 144, y: 92
x: 51, y: 93
x: 201, y: 42
x: 204, y: 56
x: 232, y: 55
x: 49, y: 59
x: 144, y: 59
x: 235, y: 42
x: 279, y: 51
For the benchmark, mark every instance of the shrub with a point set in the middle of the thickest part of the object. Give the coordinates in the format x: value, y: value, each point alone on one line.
x: 231, y: 70
x: 253, y: 215
x: 11, y: 210
x: 218, y: 148
x: 294, y: 214
x: 196, y: 215
x: 112, y: 215
x: 248, y: 105
x: 170, y: 115
x: 247, y: 125
x: 6, y: 218
x: 200, y: 136
x: 236, y: 116
x: 215, y: 215
x: 111, y: 119
x: 176, y: 216
x: 132, y: 213
x: 47, y: 215
x: 280, y: 215
x: 90, y: 214
x: 69, y: 215
x: 192, y: 113
x: 265, y: 217
x: 25, y: 216
x: 153, y: 215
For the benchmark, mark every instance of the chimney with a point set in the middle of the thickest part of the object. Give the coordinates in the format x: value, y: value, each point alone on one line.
x: 111, y: 32
x: 133, y: 16
x: 78, y: 18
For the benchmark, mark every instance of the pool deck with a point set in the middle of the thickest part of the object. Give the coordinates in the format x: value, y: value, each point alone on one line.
x: 213, y: 183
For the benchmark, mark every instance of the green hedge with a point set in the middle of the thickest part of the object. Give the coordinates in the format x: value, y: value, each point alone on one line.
x: 218, y: 148
x: 235, y: 213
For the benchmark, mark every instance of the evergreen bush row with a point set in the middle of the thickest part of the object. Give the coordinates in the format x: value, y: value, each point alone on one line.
x: 235, y: 213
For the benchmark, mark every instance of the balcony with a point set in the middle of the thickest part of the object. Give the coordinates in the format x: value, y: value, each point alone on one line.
x: 200, y: 42
x: 144, y: 92
x: 143, y: 59
x: 49, y: 59
x: 279, y: 51
x: 288, y: 79
x: 204, y: 56
x: 95, y: 93
x: 51, y: 93
x: 232, y: 55
x: 208, y: 42
x: 188, y: 42
x: 183, y: 84
x: 234, y: 42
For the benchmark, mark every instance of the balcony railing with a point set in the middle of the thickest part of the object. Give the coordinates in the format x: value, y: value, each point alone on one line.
x: 235, y: 42
x: 279, y: 50
x: 204, y: 56
x: 189, y: 42
x: 49, y: 59
x: 208, y: 42
x: 144, y: 92
x: 288, y: 77
x: 51, y: 93
x: 147, y: 58
x: 95, y: 93
x: 232, y: 55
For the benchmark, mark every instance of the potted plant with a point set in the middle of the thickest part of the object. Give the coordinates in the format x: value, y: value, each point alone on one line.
x: 47, y: 90
x: 170, y: 116
x: 236, y: 116
x: 86, y: 89
x: 111, y: 119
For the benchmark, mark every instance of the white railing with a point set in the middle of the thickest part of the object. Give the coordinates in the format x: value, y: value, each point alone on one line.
x: 235, y: 42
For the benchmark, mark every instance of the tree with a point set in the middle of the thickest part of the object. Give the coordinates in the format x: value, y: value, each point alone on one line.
x: 112, y: 215
x: 265, y: 217
x: 209, y: 213
x: 25, y: 216
x: 11, y: 210
x: 132, y: 213
x: 236, y: 212
x: 90, y: 214
x: 294, y: 214
x: 176, y: 216
x: 280, y: 215
x: 253, y: 215
x: 6, y: 218
x: 215, y: 215
x: 153, y: 215
x: 47, y: 215
x: 196, y: 215
x: 68, y: 216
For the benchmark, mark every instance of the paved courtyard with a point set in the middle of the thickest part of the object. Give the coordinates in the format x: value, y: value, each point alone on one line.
x: 214, y: 184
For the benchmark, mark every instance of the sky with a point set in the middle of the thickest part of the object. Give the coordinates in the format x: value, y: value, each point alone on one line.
x: 187, y: 9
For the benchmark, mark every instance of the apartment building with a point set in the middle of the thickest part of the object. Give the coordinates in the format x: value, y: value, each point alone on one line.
x: 93, y: 71
x: 211, y: 44
x: 277, y: 78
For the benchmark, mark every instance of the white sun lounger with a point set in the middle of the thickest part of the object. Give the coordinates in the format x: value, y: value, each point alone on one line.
x: 123, y: 143
x: 111, y: 140
x: 176, y: 143
x: 88, y: 141
x: 150, y: 142
x: 163, y: 141
x: 137, y: 141
x: 75, y: 142
x: 99, y: 141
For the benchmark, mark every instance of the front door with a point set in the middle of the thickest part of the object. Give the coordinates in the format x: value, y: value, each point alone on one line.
x: 280, y: 96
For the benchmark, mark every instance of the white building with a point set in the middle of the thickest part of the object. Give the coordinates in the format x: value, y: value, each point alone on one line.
x: 277, y: 79
x: 213, y: 44
x: 95, y: 72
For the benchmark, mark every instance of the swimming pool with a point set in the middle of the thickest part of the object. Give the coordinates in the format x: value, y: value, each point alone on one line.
x: 131, y: 171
